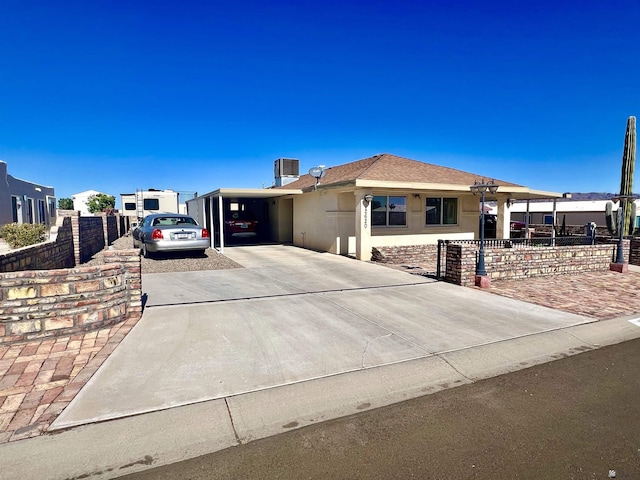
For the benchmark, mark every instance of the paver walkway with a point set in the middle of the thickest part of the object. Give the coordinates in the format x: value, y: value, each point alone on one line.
x: 38, y: 379
x: 601, y: 295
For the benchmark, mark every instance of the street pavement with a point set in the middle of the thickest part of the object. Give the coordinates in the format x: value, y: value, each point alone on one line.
x: 296, y: 337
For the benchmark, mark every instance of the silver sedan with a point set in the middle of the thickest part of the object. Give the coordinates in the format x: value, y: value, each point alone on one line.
x: 170, y: 232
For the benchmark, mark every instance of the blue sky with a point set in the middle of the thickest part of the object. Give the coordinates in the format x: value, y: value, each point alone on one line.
x: 196, y: 95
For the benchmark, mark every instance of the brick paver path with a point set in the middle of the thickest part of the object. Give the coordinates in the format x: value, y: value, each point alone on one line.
x: 38, y: 379
x: 601, y: 295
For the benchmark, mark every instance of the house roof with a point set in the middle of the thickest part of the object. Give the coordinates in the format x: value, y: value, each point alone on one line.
x: 386, y: 170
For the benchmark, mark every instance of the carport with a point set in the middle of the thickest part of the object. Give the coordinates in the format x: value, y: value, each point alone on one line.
x: 272, y: 208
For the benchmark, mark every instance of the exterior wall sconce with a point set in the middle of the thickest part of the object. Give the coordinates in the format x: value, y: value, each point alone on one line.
x: 367, y: 198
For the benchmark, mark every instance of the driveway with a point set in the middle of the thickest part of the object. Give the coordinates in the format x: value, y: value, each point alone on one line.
x: 294, y: 315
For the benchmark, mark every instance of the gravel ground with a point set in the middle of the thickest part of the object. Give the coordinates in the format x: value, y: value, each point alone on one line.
x: 166, y: 263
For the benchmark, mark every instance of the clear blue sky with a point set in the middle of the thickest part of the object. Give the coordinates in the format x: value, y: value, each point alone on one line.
x: 196, y: 95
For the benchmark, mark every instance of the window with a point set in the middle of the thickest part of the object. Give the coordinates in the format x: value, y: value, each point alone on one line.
x: 151, y: 204
x: 41, y: 212
x: 548, y: 219
x: 389, y: 211
x: 129, y: 206
x: 30, y: 212
x: 441, y: 211
x: 14, y: 209
x: 52, y: 207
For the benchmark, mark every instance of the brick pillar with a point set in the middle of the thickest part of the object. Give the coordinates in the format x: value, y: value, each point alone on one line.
x: 75, y: 229
x: 131, y: 261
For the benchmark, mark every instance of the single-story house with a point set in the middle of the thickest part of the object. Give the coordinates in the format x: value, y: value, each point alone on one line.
x: 25, y: 202
x: 81, y: 201
x: 349, y: 209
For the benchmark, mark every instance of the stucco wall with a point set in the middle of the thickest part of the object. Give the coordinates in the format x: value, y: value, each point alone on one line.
x: 326, y: 220
x: 10, y: 186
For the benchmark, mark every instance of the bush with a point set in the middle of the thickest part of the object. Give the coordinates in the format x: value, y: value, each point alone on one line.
x: 23, y: 234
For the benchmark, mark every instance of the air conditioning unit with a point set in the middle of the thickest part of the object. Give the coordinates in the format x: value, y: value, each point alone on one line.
x: 286, y: 167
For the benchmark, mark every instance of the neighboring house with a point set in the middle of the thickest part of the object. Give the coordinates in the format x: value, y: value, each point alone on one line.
x: 574, y: 212
x: 25, y: 202
x: 144, y: 202
x: 384, y: 200
x: 81, y: 202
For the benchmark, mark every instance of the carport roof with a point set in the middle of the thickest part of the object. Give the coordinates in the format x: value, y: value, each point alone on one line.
x: 252, y: 192
x: 391, y: 171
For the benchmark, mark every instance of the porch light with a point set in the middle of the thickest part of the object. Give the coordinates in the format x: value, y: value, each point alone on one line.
x: 367, y: 198
x: 482, y: 188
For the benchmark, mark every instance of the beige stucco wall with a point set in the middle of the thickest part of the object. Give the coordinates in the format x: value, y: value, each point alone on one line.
x: 324, y: 220
x: 281, y: 220
x: 332, y: 220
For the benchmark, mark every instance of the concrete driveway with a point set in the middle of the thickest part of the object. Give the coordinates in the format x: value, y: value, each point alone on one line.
x: 292, y: 316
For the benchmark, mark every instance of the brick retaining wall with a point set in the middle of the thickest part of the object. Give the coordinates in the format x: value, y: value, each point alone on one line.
x: 634, y: 256
x: 48, y: 303
x: 55, y: 253
x: 522, y: 262
x: 424, y: 255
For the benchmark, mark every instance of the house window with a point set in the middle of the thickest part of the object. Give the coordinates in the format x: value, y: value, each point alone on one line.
x: 389, y: 211
x: 42, y: 218
x: 151, y: 204
x: 52, y: 207
x: 441, y: 211
x: 14, y: 209
x: 30, y: 212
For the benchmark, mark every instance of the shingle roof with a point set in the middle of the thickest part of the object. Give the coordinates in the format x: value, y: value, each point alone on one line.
x: 391, y: 168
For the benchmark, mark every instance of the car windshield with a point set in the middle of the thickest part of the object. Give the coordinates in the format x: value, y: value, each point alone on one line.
x: 171, y: 221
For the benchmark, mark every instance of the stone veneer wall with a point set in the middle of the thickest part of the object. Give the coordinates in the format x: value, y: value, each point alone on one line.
x: 47, y: 303
x: 424, y: 255
x: 523, y: 262
x: 634, y: 256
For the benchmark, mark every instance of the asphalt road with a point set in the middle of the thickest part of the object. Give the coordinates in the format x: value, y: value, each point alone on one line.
x: 575, y: 418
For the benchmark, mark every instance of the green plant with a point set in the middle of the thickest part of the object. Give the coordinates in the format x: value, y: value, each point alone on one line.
x: 65, y: 204
x: 100, y: 202
x: 19, y: 235
x: 615, y: 222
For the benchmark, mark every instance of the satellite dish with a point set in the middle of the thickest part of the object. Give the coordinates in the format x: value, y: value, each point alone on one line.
x: 317, y: 172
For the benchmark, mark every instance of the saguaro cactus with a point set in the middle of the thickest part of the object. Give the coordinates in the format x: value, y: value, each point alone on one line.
x: 614, y: 222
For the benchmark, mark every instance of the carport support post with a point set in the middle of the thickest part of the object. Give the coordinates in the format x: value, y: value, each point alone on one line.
x: 363, y: 225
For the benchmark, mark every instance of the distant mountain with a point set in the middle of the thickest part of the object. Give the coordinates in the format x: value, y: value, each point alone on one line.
x: 577, y: 196
x: 594, y: 196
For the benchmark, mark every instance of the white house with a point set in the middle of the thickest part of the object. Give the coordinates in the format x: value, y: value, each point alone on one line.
x: 81, y: 202
x: 574, y: 212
